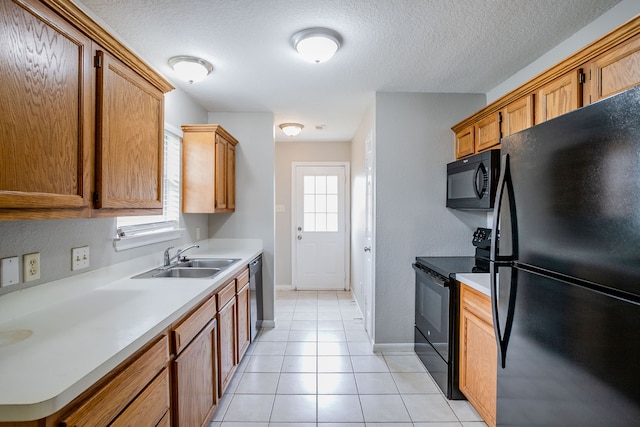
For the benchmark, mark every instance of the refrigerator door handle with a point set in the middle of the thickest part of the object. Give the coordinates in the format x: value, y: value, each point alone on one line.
x: 502, y: 337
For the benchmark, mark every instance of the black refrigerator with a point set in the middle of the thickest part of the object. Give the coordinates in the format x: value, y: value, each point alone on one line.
x: 565, y: 270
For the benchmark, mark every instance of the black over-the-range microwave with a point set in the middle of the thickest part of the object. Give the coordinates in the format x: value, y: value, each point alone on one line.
x: 472, y: 181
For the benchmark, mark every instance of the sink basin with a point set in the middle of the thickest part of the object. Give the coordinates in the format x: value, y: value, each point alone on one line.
x: 193, y: 273
x: 208, y: 262
x: 196, y: 268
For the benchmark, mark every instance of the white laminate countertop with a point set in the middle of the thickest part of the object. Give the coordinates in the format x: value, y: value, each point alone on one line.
x: 479, y: 281
x: 59, y: 338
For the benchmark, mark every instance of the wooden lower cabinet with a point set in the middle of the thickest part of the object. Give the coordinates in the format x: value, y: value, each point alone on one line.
x: 139, y: 392
x: 478, y: 353
x: 227, y: 347
x: 243, y: 313
x: 195, y: 380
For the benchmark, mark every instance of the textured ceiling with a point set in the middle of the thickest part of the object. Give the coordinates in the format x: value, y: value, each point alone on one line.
x: 389, y: 45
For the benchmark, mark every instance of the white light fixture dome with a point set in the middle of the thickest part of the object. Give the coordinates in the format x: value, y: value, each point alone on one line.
x: 190, y: 68
x: 291, y: 129
x: 316, y: 44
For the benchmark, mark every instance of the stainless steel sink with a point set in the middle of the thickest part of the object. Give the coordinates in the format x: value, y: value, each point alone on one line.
x: 193, y: 273
x: 208, y: 262
x: 196, y: 268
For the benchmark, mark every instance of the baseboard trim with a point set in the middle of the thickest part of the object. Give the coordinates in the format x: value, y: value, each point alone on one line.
x: 285, y: 288
x: 268, y: 324
x: 395, y: 347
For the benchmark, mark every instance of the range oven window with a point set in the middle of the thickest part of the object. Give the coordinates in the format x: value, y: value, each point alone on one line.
x: 432, y: 311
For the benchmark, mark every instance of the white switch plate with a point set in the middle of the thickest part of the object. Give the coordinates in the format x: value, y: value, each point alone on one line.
x: 9, y: 271
x: 197, y: 233
x: 31, y: 267
x: 80, y: 258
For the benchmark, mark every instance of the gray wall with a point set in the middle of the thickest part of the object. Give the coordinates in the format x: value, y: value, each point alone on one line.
x: 414, y: 143
x: 286, y: 153
x: 55, y: 238
x: 358, y: 206
x: 254, y: 216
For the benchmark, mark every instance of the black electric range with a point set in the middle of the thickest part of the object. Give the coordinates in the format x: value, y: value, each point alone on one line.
x: 437, y: 310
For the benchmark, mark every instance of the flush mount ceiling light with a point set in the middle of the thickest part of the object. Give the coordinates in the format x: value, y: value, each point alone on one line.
x: 291, y: 129
x: 316, y: 44
x: 190, y: 68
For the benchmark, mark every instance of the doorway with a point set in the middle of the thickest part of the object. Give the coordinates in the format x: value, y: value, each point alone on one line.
x: 320, y: 246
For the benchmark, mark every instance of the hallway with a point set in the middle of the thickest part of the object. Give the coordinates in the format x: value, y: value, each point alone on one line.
x: 316, y: 369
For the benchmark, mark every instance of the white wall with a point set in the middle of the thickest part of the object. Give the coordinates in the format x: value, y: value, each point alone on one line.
x: 610, y: 20
x: 254, y: 216
x: 285, y: 154
x: 55, y: 238
x: 414, y: 142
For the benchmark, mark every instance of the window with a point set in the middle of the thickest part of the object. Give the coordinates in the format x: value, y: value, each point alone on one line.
x: 134, y: 231
x: 321, y: 203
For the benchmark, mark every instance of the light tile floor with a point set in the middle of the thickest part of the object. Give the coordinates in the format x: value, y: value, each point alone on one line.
x: 316, y: 369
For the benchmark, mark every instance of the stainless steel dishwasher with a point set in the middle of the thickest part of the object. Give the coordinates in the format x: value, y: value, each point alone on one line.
x: 255, y: 291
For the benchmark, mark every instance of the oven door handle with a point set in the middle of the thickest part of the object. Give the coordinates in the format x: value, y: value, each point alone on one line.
x: 435, y: 278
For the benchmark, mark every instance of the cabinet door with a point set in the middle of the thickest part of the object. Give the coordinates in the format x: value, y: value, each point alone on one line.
x: 231, y: 177
x: 47, y: 115
x: 129, y: 138
x: 195, y: 380
x: 149, y: 407
x: 518, y: 115
x: 243, y: 310
x: 478, y: 353
x: 558, y: 97
x: 465, y: 142
x: 616, y: 70
x: 487, y: 132
x: 226, y: 344
x: 221, y: 173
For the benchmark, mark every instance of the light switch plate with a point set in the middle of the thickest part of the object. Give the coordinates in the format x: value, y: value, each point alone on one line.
x: 9, y: 271
x: 79, y: 258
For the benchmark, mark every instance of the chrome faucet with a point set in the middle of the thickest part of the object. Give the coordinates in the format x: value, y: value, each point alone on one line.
x: 168, y: 258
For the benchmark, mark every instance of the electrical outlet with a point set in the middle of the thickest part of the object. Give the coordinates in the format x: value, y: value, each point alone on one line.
x: 79, y: 258
x: 31, y: 267
x: 197, y: 233
x: 9, y: 271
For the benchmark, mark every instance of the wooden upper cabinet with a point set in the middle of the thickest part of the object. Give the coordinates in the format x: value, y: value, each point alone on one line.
x: 487, y: 132
x: 560, y: 96
x: 616, y: 70
x: 465, y: 144
x: 46, y: 121
x: 208, y: 169
x: 129, y: 138
x: 518, y: 115
x: 81, y: 136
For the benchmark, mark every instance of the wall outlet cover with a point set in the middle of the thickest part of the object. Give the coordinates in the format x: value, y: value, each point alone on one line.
x: 31, y: 267
x: 9, y: 271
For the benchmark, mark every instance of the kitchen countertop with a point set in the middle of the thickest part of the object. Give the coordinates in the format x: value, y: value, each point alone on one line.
x: 59, y: 338
x: 479, y: 281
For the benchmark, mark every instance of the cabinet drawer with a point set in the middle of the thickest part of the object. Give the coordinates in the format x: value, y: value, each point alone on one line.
x: 148, y: 408
x: 243, y: 279
x: 189, y: 328
x: 107, y: 402
x: 226, y: 294
x: 477, y: 303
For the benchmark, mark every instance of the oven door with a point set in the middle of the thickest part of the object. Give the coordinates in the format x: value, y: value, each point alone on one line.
x: 432, y: 309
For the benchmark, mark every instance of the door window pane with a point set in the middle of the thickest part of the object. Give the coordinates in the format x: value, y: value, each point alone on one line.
x: 321, y: 203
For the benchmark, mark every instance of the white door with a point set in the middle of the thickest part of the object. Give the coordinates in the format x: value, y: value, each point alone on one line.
x: 368, y: 237
x: 320, y: 226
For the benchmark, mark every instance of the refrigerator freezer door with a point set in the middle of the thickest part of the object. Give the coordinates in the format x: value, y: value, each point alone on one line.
x: 571, y: 358
x: 576, y: 187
